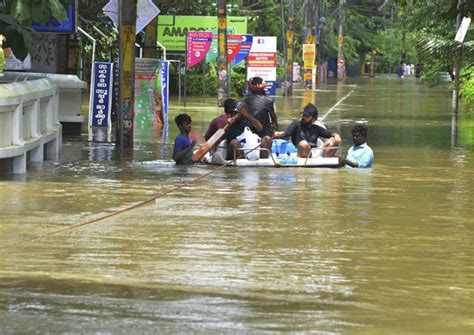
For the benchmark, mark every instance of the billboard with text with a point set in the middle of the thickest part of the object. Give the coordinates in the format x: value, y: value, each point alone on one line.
x: 172, y: 29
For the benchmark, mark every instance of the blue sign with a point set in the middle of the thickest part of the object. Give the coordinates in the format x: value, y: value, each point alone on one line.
x: 53, y: 26
x: 164, y: 79
x: 101, y: 95
x: 247, y: 40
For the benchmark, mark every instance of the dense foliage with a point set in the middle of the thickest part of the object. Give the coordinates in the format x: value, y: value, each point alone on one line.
x: 398, y: 30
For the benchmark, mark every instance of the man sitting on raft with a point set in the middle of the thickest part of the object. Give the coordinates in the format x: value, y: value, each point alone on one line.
x: 240, y: 119
x: 305, y: 133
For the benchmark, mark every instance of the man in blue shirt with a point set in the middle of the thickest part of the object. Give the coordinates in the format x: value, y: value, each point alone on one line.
x: 183, y: 146
x: 360, y: 155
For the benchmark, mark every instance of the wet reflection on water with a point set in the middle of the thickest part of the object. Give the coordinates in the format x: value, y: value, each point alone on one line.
x: 387, y: 250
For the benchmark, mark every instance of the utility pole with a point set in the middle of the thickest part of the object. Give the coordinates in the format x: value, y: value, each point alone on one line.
x: 341, y: 69
x: 151, y: 37
x: 282, y: 18
x: 457, y: 63
x: 289, y: 50
x: 309, y: 39
x: 222, y: 64
x: 320, y: 76
x: 127, y: 27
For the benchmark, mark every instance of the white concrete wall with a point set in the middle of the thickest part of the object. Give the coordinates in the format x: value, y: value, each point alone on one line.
x: 29, y: 122
x: 70, y: 93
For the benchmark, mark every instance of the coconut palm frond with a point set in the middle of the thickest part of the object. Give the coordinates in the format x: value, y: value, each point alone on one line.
x: 439, y: 48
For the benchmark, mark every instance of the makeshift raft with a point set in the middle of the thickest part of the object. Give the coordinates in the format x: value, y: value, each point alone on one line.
x: 283, y: 155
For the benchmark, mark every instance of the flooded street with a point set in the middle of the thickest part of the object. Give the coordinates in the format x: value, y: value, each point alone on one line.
x: 388, y: 250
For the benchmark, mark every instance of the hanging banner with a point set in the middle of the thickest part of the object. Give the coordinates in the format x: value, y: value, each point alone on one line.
x: 262, y: 61
x: 309, y: 56
x: 100, y: 103
x: 164, y: 79
x: 213, y: 51
x: 246, y: 44
x: 147, y: 113
x: 234, y: 43
x: 199, y: 43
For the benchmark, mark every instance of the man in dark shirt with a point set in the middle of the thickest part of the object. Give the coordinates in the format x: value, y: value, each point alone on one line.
x: 304, y: 134
x: 262, y: 108
x: 240, y: 119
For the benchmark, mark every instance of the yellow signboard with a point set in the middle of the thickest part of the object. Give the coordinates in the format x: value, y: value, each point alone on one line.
x: 309, y: 56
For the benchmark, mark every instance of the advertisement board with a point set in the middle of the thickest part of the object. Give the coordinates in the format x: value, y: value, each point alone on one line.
x: 172, y: 29
x: 100, y: 104
x: 309, y: 56
x: 262, y: 61
x: 199, y: 43
x: 246, y: 45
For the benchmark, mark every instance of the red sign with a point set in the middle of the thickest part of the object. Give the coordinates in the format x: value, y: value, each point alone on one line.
x: 234, y: 43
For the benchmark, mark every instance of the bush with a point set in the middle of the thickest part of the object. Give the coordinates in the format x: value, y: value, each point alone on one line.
x: 195, y: 80
x: 466, y: 90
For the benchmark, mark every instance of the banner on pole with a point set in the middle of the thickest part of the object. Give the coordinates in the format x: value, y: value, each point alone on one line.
x: 100, y: 102
x: 199, y: 43
x: 246, y: 45
x: 309, y: 56
x: 463, y: 28
x: 234, y: 43
x: 147, y: 112
x: 164, y: 80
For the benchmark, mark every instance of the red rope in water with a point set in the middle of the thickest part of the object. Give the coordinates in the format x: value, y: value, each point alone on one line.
x: 107, y: 216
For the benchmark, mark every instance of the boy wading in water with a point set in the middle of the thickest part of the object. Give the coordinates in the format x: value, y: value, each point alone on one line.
x: 183, y: 146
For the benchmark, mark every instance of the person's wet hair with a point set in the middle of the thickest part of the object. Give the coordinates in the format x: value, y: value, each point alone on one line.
x: 359, y: 128
x: 182, y: 119
x: 230, y: 105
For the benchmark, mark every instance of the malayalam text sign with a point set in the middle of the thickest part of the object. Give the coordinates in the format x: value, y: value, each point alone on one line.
x: 101, y: 95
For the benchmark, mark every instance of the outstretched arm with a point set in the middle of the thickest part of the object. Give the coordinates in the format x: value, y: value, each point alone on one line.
x: 280, y: 134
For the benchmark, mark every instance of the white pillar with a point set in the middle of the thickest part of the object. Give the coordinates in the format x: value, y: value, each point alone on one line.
x: 19, y: 164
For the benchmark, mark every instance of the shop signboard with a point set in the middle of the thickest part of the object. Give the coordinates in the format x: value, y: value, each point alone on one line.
x: 173, y: 29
